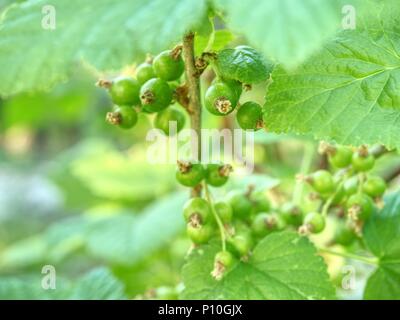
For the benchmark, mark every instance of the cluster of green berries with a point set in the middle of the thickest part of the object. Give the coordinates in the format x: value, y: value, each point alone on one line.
x: 222, y: 98
x: 155, y: 86
x: 350, y: 191
x: 191, y: 174
x: 152, y: 90
x: 247, y: 216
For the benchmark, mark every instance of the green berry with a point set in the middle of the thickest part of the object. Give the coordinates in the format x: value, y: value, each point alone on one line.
x: 240, y: 203
x: 168, y: 65
x: 224, y: 211
x: 235, y: 85
x: 374, y: 186
x: 360, y: 206
x: 362, y: 162
x: 260, y: 202
x: 249, y: 116
x: 190, y: 174
x: 199, y: 234
x: 144, y: 73
x: 344, y: 235
x: 242, y: 243
x: 217, y: 174
x: 220, y: 99
x: 170, y: 118
x: 155, y: 95
x: 224, y: 258
x: 350, y: 186
x: 322, y: 181
x: 315, y: 222
x: 341, y: 157
x: 291, y: 214
x: 264, y: 223
x: 197, y: 209
x: 125, y: 91
x: 123, y: 116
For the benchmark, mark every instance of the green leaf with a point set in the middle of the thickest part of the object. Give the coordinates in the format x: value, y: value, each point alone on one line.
x: 283, y: 266
x: 105, y: 33
x: 221, y: 39
x: 348, y: 92
x: 382, y: 236
x: 243, y: 64
x: 125, y: 239
x: 284, y: 30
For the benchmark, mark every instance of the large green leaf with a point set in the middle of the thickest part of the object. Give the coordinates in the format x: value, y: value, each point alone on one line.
x: 283, y: 266
x: 285, y: 30
x: 382, y: 236
x: 350, y: 91
x: 106, y: 33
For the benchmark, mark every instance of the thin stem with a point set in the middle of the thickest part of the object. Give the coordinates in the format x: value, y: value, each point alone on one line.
x: 217, y: 218
x: 212, y: 37
x: 193, y: 84
x: 304, y: 169
x: 367, y: 260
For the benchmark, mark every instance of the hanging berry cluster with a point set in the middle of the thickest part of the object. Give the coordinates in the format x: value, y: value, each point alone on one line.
x: 152, y: 90
x: 348, y: 192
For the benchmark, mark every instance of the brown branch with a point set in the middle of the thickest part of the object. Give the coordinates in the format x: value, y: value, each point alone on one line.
x: 193, y: 85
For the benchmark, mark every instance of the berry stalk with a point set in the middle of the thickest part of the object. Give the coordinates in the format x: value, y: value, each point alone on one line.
x: 193, y: 84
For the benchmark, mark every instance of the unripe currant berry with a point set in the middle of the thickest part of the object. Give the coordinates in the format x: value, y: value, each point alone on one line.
x: 220, y: 99
x: 350, y: 186
x: 340, y: 157
x: 259, y: 202
x: 145, y: 72
x: 122, y: 116
x: 125, y: 91
x: 292, y: 214
x: 217, y: 174
x: 374, y: 186
x: 155, y: 95
x: 170, y: 121
x: 249, y: 116
x: 224, y: 211
x: 240, y: 203
x: 199, y: 234
x: 242, y: 243
x: 168, y: 65
x: 344, y: 235
x: 235, y: 85
x: 360, y: 207
x: 197, y: 211
x: 190, y: 174
x: 265, y: 223
x: 362, y: 160
x: 321, y: 181
x: 222, y: 262
x: 314, y: 222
